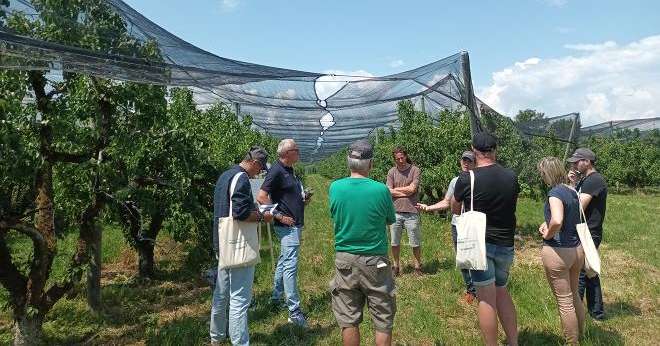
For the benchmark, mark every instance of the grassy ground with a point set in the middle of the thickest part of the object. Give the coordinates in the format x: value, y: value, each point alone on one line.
x: 173, y: 310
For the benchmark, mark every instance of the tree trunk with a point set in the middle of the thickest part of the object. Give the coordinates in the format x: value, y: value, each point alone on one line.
x: 146, y: 258
x: 94, y: 272
x: 28, y: 331
x: 145, y: 246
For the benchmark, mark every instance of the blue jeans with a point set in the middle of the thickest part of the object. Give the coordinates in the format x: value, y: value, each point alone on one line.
x: 469, y: 287
x: 233, y: 289
x: 499, y: 260
x: 592, y: 287
x: 286, y: 272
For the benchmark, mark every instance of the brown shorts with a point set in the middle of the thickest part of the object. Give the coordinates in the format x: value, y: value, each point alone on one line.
x: 359, y: 279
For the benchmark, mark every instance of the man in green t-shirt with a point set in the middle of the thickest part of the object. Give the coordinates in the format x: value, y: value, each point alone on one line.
x: 361, y: 209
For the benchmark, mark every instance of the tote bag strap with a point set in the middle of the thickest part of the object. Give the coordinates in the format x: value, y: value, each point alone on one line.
x: 471, y: 190
x: 232, y: 187
x: 583, y: 217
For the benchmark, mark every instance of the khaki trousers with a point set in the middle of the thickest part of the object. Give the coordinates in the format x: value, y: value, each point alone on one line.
x: 562, y: 269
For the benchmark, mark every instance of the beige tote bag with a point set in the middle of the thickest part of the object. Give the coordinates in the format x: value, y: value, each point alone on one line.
x: 238, y: 240
x: 591, y: 257
x: 471, y: 236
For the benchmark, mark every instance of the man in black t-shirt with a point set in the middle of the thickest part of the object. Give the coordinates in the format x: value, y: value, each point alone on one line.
x: 593, y: 198
x: 495, y: 194
x: 281, y: 186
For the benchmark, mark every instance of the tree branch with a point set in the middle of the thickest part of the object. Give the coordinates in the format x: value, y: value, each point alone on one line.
x: 71, y: 157
x: 23, y: 228
x: 10, y: 277
x: 147, y: 181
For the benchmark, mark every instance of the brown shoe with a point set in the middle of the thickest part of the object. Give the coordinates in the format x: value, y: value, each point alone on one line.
x: 395, y: 271
x: 468, y: 297
x: 419, y: 272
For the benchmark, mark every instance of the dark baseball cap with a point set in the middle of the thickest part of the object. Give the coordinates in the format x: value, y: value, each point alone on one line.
x: 484, y: 141
x: 259, y: 154
x: 468, y: 155
x: 582, y: 154
x: 361, y: 149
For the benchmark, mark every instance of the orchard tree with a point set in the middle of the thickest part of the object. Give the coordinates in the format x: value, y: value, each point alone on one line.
x: 168, y: 172
x: 54, y: 163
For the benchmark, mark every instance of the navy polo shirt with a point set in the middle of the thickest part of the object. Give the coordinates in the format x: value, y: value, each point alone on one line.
x: 285, y: 189
x: 242, y: 200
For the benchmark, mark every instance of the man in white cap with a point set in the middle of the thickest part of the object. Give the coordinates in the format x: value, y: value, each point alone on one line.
x: 467, y: 163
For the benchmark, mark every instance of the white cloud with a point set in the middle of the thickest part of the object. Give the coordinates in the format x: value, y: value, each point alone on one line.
x: 228, y: 5
x: 333, y: 80
x: 592, y: 47
x: 396, y: 63
x: 288, y: 94
x: 606, y: 81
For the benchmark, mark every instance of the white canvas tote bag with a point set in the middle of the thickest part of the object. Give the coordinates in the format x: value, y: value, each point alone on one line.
x: 238, y: 240
x: 591, y: 257
x: 471, y: 237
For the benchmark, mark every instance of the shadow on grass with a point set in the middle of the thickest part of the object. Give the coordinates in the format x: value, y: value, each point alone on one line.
x: 431, y: 267
x: 528, y: 336
x: 288, y: 334
x: 619, y: 308
x: 595, y: 334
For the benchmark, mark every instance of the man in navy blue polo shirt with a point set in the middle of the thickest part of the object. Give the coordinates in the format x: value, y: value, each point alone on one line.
x: 287, y: 191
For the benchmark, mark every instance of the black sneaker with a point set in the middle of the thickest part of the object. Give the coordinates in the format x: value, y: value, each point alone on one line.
x: 598, y: 316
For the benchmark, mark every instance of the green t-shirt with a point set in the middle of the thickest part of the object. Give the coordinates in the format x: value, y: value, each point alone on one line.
x: 361, y: 209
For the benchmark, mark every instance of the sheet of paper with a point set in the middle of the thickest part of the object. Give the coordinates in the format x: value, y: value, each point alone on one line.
x: 267, y: 207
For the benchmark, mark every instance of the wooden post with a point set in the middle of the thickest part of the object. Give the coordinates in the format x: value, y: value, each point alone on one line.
x: 270, y: 243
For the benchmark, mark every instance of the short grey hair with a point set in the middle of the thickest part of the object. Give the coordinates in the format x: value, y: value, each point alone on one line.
x: 284, y: 146
x: 358, y: 165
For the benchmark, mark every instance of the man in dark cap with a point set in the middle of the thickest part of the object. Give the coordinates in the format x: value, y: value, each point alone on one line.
x: 467, y: 163
x: 361, y: 209
x: 593, y: 198
x: 495, y: 194
x: 233, y: 288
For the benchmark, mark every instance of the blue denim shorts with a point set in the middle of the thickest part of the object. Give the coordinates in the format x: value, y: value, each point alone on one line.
x: 499, y: 260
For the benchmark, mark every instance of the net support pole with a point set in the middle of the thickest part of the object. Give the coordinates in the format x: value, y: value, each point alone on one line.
x: 237, y: 111
x: 571, y: 136
x: 471, y: 101
x: 423, y: 108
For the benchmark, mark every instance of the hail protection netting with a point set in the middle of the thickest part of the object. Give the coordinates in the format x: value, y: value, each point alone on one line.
x: 323, y: 113
x: 609, y: 128
x: 562, y: 128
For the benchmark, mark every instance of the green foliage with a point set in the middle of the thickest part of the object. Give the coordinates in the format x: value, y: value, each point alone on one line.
x: 434, y: 143
x: 627, y: 159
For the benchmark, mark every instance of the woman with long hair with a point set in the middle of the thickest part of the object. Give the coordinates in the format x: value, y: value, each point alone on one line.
x: 562, y: 253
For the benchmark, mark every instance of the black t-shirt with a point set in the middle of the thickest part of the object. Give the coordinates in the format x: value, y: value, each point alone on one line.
x: 594, y: 184
x: 495, y: 194
x: 286, y: 190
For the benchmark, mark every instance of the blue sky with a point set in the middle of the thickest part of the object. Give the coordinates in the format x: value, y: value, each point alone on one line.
x: 557, y: 56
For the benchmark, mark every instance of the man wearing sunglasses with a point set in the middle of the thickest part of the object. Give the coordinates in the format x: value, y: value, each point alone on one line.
x: 281, y: 186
